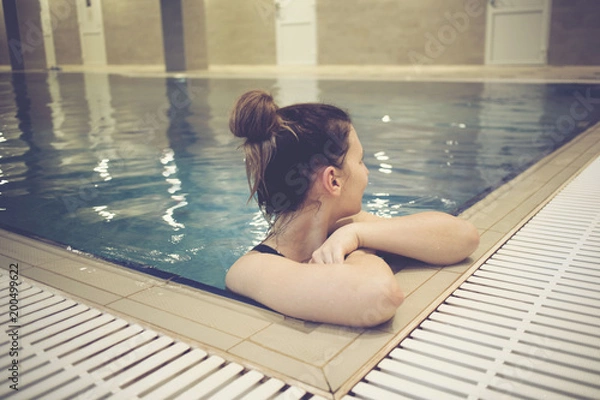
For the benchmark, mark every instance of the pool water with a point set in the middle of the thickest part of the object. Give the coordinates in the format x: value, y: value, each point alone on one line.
x: 144, y: 172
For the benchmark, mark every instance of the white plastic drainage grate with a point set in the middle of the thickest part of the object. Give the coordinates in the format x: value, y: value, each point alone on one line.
x: 525, y: 325
x: 68, y: 350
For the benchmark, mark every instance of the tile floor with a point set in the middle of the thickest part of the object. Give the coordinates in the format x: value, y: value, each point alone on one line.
x: 322, y: 358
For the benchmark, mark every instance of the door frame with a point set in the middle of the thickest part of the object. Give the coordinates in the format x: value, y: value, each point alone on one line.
x: 545, y: 39
x: 82, y: 6
x: 278, y: 35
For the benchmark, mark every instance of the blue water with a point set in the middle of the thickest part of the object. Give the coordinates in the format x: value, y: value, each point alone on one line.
x: 143, y: 171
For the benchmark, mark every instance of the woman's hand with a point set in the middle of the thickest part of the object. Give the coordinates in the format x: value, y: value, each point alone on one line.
x: 337, y: 246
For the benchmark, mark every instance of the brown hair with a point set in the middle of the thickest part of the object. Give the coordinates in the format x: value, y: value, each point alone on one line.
x: 285, y: 146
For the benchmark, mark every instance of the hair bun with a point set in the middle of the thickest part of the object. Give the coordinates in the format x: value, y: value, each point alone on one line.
x: 254, y: 116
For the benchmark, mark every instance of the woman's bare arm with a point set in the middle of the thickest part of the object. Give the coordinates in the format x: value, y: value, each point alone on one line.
x: 360, y: 292
x: 432, y: 237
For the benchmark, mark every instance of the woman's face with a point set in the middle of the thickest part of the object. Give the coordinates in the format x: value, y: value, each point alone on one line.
x: 355, y: 176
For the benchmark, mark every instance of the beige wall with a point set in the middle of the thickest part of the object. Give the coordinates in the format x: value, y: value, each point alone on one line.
x: 4, y: 57
x: 362, y: 32
x: 575, y: 33
x: 133, y: 32
x: 194, y: 32
x: 65, y: 30
x: 401, y: 32
x: 240, y: 31
x: 30, y: 29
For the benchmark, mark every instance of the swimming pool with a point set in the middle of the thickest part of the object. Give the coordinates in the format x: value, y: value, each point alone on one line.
x: 144, y: 172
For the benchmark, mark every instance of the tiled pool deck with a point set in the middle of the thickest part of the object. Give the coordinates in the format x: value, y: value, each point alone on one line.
x: 321, y: 358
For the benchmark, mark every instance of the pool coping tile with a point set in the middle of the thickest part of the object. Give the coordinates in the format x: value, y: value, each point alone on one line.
x: 202, y: 312
x: 236, y: 306
x: 351, y: 360
x: 411, y: 279
x: 27, y: 250
x: 283, y: 367
x: 71, y: 286
x: 174, y: 325
x: 98, y: 275
x: 6, y: 261
x: 316, y: 345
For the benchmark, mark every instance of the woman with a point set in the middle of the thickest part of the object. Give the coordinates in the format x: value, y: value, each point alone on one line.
x: 305, y: 168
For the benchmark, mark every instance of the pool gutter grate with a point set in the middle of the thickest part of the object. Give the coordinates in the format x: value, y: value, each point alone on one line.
x: 524, y: 325
x: 69, y: 350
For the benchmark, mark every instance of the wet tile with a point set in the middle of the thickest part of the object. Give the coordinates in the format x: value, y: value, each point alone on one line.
x: 221, y: 301
x: 487, y: 241
x: 512, y: 219
x: 506, y: 204
x: 547, y: 173
x: 200, y: 311
x: 585, y: 158
x: 112, y: 279
x: 352, y: 360
x: 549, y: 189
x: 583, y: 142
x: 471, y: 211
x: 315, y: 347
x: 415, y: 304
x: 482, y: 220
x: 565, y: 158
x: 6, y: 261
x: 28, y: 250
x: 594, y: 149
x: 281, y: 364
x: 461, y: 267
x: 489, y: 214
x: 70, y: 286
x: 411, y: 279
x: 495, y: 207
x: 175, y: 325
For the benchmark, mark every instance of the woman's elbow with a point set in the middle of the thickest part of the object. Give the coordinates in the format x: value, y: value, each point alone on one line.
x: 385, y: 298
x: 471, y: 238
x: 465, y: 240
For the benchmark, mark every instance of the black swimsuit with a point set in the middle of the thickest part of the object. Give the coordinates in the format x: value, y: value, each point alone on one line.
x: 263, y: 248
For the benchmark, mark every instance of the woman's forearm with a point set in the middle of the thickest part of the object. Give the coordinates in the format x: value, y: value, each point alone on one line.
x: 432, y: 237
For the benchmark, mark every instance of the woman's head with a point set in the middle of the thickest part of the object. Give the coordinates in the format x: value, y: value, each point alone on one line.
x: 285, y: 147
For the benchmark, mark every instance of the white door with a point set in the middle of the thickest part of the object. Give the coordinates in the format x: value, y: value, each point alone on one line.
x: 47, y: 32
x: 91, y: 32
x: 517, y: 31
x: 296, y: 32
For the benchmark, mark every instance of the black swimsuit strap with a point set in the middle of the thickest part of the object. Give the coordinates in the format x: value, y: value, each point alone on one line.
x: 263, y: 248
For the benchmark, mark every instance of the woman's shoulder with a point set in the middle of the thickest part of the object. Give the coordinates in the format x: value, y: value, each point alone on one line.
x: 252, y: 267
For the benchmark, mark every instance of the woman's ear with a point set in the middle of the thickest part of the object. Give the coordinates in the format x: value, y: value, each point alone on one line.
x: 331, y: 181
